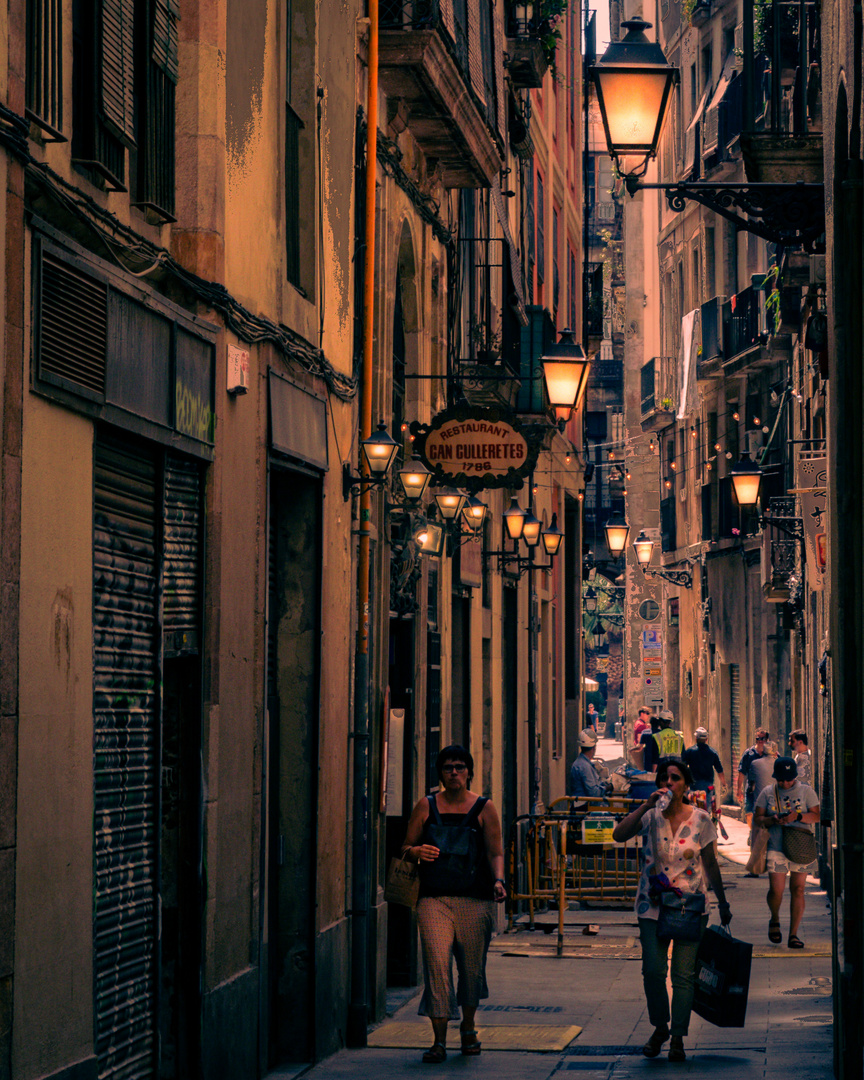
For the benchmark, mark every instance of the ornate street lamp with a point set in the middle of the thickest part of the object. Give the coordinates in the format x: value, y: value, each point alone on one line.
x: 565, y: 370
x: 450, y: 503
x: 746, y: 480
x: 589, y: 599
x: 473, y: 515
x: 378, y: 451
x: 430, y: 537
x: 414, y: 478
x: 552, y: 537
x: 514, y: 519
x: 617, y: 530
x: 644, y: 548
x: 531, y: 527
x: 634, y: 81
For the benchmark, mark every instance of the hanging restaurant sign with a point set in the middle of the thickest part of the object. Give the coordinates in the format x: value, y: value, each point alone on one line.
x: 475, y: 448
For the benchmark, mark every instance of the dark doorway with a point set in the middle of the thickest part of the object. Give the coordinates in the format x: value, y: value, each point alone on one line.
x: 292, y: 701
x: 460, y: 690
x: 401, y: 966
x: 511, y: 709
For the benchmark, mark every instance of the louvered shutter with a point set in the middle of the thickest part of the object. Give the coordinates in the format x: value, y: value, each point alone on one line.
x: 125, y: 759
x: 475, y: 60
x: 181, y: 561
x: 447, y: 18
x: 500, y: 94
x: 165, y: 14
x: 118, y: 42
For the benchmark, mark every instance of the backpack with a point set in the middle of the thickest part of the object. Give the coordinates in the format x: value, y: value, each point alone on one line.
x: 454, y: 872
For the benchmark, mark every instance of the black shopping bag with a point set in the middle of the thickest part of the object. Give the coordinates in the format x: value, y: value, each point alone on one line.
x: 722, y: 978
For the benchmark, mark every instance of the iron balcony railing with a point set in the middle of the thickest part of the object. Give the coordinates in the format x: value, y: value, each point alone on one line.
x: 659, y: 385
x: 426, y: 15
x: 787, y: 84
x: 743, y: 322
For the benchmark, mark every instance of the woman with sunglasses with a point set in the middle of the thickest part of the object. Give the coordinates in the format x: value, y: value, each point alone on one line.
x: 677, y: 853
x: 455, y: 912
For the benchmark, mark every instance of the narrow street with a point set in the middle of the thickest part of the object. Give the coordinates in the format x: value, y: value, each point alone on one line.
x: 584, y: 1014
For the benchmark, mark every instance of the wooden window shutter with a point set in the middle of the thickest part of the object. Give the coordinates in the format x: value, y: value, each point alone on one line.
x: 165, y: 14
x: 118, y: 41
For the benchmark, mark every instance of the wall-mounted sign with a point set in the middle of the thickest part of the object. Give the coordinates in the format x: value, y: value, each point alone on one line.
x: 476, y: 448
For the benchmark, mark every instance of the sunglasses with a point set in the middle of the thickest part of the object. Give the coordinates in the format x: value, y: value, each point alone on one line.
x: 454, y: 768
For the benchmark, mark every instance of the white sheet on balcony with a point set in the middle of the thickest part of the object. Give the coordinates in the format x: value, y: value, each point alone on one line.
x: 687, y: 399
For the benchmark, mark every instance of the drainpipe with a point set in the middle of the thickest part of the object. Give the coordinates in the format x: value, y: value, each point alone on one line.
x: 358, y: 1008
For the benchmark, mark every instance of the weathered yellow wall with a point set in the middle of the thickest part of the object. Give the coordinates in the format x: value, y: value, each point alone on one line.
x: 54, y: 914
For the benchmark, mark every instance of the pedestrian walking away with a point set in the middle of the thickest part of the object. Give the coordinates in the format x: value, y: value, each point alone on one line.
x: 787, y: 804
x: 455, y: 836
x: 678, y: 862
x: 703, y: 761
x: 664, y: 742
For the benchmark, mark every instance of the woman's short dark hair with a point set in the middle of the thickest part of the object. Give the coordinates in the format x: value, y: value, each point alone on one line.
x: 682, y: 767
x: 454, y: 753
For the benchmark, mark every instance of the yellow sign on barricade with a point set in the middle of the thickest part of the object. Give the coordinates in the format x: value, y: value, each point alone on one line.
x: 567, y: 855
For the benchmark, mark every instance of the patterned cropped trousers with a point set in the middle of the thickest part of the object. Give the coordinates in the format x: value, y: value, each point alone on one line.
x: 460, y: 928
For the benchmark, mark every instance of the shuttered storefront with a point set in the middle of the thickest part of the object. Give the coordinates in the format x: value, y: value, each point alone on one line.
x: 146, y: 561
x: 126, y: 757
x: 735, y: 713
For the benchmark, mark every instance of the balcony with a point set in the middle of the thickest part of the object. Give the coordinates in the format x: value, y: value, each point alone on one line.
x: 746, y: 342
x: 426, y: 64
x: 659, y: 381
x: 783, y: 140
x: 528, y: 62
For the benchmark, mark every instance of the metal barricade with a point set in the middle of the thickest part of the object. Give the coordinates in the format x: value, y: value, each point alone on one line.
x: 549, y: 861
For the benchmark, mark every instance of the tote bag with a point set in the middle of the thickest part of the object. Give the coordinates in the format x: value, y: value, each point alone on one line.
x: 722, y: 978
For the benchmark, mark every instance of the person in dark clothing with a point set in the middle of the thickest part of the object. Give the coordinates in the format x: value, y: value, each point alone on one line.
x: 704, y: 761
x: 455, y: 923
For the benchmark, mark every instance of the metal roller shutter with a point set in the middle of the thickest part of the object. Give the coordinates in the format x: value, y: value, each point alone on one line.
x: 181, y: 556
x: 735, y: 714
x: 126, y: 756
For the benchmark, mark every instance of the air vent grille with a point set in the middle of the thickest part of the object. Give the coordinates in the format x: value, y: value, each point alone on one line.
x: 73, y: 326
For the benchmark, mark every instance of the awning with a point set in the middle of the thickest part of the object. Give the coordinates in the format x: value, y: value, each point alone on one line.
x: 691, y: 141
x: 590, y: 684
x: 712, y: 127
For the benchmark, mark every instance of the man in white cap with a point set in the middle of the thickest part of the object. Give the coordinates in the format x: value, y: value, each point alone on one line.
x: 704, y: 761
x: 584, y: 778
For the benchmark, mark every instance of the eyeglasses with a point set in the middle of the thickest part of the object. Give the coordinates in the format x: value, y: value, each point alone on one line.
x: 453, y: 768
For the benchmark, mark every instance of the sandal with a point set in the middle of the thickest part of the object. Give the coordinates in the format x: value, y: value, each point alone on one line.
x: 774, y: 933
x: 655, y: 1044
x: 795, y: 942
x: 436, y: 1053
x: 471, y: 1045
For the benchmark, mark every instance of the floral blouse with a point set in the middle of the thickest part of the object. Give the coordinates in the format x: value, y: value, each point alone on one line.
x: 679, y: 856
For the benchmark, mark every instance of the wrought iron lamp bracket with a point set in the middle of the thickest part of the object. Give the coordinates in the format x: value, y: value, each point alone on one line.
x: 791, y: 526
x: 676, y: 577
x: 787, y: 214
x: 510, y: 559
x: 353, y: 485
